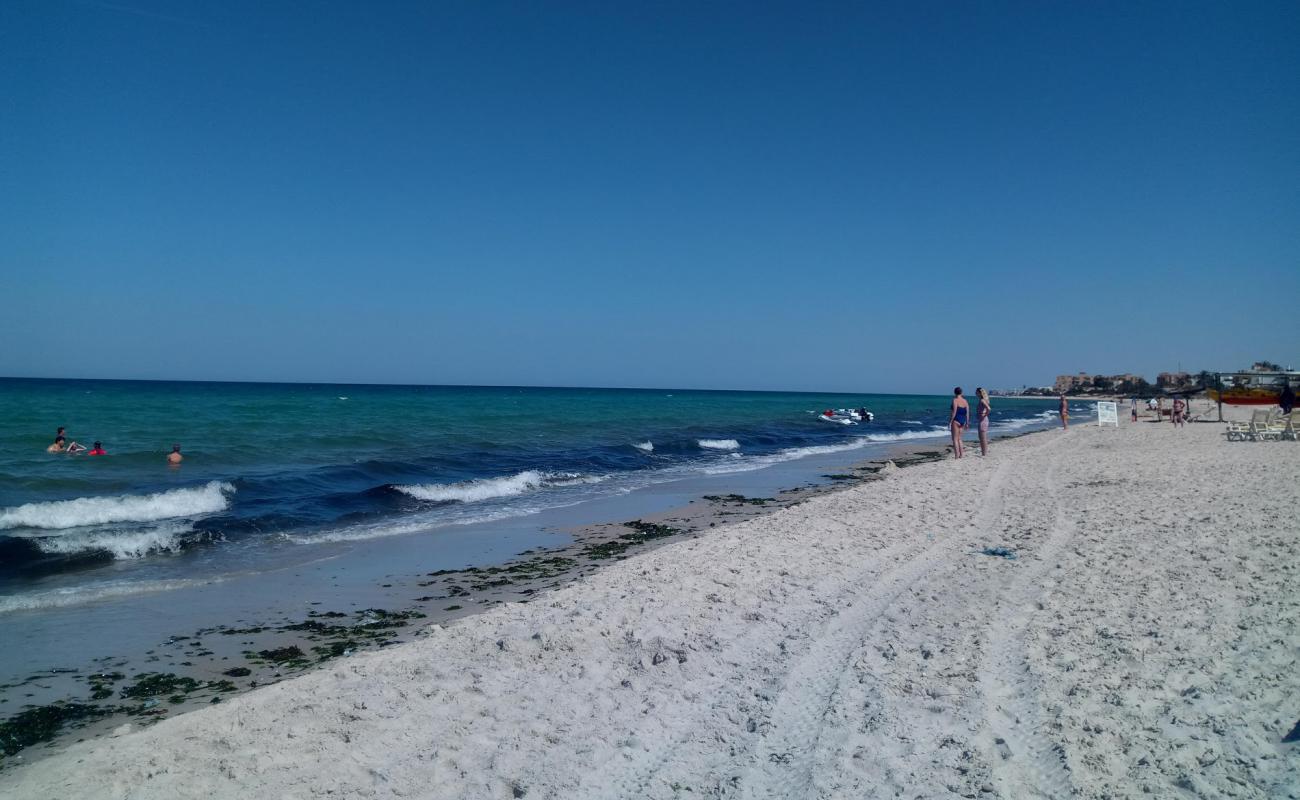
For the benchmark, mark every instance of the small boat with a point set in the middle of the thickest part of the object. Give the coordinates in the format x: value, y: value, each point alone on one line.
x: 846, y: 416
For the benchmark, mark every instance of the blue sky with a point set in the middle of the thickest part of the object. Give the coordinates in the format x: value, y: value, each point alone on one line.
x: 731, y: 195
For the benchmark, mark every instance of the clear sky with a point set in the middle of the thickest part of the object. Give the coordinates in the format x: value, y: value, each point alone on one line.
x: 835, y: 196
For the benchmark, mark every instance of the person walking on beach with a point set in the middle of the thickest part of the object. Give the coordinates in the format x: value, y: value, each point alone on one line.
x: 957, y: 421
x: 1133, y: 402
x: 1286, y: 401
x: 1065, y: 412
x: 175, y: 457
x: 982, y: 414
x: 1177, y: 417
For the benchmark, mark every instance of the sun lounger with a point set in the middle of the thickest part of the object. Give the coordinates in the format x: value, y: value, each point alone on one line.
x: 1266, y: 424
x: 1263, y: 426
x: 1290, y: 425
x: 1238, y: 431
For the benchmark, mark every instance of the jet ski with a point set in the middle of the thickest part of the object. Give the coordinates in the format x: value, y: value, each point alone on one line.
x: 846, y: 416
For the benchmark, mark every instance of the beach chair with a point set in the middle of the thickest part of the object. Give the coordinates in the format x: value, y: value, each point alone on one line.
x: 1264, y: 427
x: 1290, y: 424
x: 1238, y: 431
x: 1277, y: 424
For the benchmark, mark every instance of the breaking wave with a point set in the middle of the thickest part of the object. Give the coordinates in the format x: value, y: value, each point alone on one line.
x: 72, y: 596
x: 719, y: 444
x: 83, y: 511
x: 789, y: 454
x: 121, y: 544
x: 1016, y: 423
x: 645, y: 447
x: 490, y: 488
x: 898, y: 437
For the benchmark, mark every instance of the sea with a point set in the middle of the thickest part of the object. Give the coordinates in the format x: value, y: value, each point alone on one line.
x: 272, y: 473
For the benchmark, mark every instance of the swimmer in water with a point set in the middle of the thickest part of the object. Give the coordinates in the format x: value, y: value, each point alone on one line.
x: 175, y: 457
x: 59, y: 444
x: 97, y: 450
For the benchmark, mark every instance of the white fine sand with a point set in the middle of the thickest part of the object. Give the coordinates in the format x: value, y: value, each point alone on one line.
x: 1144, y: 644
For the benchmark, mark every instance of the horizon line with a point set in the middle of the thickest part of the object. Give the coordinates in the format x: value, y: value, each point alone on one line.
x: 456, y: 385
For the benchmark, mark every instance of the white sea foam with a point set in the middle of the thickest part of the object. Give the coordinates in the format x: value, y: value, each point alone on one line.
x: 491, y: 488
x: 122, y: 544
x: 76, y: 595
x: 789, y: 454
x: 898, y: 437
x: 645, y: 447
x: 719, y: 444
x: 1016, y: 423
x: 912, y: 422
x: 83, y: 511
x: 358, y: 533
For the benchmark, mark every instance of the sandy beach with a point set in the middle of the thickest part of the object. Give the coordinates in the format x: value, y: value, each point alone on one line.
x: 1141, y: 642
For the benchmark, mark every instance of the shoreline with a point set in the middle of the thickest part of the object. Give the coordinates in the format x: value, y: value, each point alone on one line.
x: 865, y: 642
x: 194, y: 668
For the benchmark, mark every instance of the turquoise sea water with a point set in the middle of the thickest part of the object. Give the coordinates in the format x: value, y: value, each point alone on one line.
x: 270, y: 466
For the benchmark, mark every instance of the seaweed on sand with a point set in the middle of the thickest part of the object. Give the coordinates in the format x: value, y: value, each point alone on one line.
x: 282, y: 655
x: 40, y: 724
x: 738, y: 499
x: 335, y: 649
x: 642, y: 532
x: 154, y: 684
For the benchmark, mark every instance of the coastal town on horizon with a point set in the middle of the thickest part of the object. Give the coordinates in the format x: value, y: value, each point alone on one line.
x: 1127, y: 384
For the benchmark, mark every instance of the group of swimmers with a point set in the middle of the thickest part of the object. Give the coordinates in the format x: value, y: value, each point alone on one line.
x: 61, y: 444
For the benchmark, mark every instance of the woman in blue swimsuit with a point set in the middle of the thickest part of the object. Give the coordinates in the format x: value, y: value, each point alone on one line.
x: 957, y: 422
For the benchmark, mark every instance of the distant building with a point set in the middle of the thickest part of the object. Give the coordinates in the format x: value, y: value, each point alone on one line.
x: 1070, y: 383
x: 1083, y: 383
x: 1173, y: 379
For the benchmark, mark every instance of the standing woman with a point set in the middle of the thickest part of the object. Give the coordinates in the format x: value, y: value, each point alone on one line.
x: 1065, y: 412
x: 982, y: 414
x: 957, y: 422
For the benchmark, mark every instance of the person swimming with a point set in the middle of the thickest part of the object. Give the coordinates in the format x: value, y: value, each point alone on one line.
x: 62, y: 445
x: 97, y: 450
x: 175, y: 457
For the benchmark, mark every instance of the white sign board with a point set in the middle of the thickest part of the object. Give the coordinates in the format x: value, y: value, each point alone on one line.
x: 1108, y: 414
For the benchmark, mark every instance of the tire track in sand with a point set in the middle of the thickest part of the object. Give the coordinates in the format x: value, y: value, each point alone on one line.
x: 1027, y: 762
x: 785, y: 757
x: 641, y: 773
